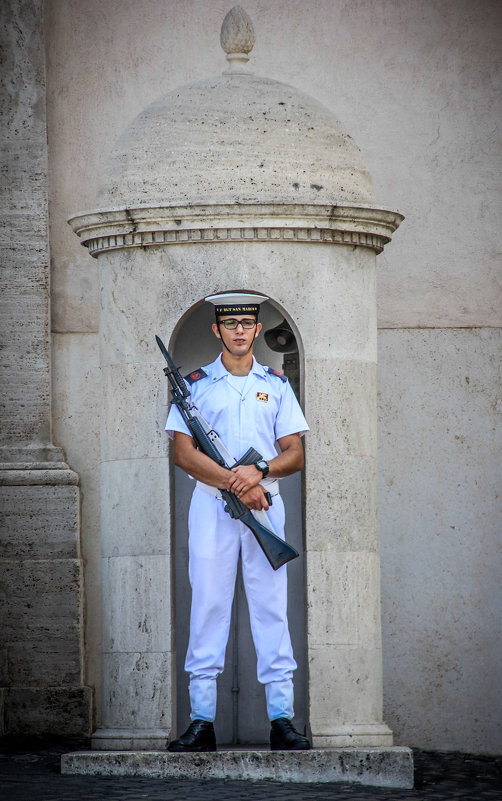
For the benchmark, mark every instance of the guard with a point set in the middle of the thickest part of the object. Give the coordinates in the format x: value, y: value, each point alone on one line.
x: 249, y: 405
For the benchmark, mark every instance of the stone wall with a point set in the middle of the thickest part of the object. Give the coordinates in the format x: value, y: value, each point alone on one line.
x: 440, y: 446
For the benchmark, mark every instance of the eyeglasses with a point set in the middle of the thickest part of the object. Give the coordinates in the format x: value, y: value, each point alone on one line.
x: 231, y: 324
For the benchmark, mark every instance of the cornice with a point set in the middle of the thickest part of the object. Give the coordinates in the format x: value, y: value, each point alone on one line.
x: 103, y: 231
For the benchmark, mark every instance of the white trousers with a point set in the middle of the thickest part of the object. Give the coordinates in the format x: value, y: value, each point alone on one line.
x: 215, y: 541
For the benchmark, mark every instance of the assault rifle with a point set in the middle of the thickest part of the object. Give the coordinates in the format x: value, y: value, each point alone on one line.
x: 276, y: 550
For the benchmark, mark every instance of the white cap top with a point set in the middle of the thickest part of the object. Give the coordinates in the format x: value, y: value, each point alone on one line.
x: 236, y: 302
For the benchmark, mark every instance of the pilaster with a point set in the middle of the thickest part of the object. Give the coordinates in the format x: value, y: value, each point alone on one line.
x: 42, y: 650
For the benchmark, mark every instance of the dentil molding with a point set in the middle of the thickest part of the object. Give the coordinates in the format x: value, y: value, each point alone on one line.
x: 116, y: 229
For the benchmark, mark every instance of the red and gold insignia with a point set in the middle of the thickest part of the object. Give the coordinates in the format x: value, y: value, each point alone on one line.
x: 262, y: 396
x: 196, y: 375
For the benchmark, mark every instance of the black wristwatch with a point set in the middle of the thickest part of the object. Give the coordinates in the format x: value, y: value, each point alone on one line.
x: 262, y: 465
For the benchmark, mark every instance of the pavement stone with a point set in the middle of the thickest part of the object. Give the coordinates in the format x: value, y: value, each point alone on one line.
x: 30, y: 771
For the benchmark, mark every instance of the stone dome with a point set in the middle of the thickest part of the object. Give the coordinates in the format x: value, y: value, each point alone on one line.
x: 235, y: 158
x: 235, y: 139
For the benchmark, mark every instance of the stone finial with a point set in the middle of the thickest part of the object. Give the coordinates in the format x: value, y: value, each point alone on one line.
x: 237, y: 37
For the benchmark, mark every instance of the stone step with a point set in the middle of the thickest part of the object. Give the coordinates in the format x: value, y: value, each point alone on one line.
x: 379, y: 767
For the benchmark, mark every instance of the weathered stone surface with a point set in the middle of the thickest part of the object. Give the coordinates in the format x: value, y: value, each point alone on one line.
x: 137, y: 603
x: 139, y: 691
x: 441, y: 520
x: 339, y: 322
x: 138, y: 658
x: 55, y: 711
x: 40, y: 522
x: 343, y: 608
x: 129, y: 428
x: 281, y: 145
x: 3, y: 666
x: 76, y: 404
x: 55, y: 661
x: 41, y: 604
x: 25, y: 381
x: 342, y: 509
x: 381, y: 767
x: 40, y: 581
x: 41, y: 598
x: 139, y: 507
x: 107, y: 739
x: 344, y: 419
x: 141, y: 295
x: 345, y: 697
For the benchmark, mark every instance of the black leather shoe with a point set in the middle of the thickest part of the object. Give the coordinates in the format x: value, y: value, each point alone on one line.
x: 284, y: 737
x: 198, y: 737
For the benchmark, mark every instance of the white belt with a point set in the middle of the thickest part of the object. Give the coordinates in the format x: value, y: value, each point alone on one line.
x: 269, y: 486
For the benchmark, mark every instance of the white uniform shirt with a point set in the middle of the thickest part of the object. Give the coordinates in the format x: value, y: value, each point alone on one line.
x: 266, y: 410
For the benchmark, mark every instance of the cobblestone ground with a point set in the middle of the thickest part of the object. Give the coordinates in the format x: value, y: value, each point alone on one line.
x: 29, y: 771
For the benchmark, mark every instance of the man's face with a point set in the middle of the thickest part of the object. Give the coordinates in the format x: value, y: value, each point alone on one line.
x: 238, y: 340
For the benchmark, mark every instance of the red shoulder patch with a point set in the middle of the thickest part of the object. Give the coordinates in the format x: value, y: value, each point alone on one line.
x: 196, y: 375
x: 277, y: 373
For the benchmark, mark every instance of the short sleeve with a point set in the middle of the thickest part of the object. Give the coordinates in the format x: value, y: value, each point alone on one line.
x: 175, y: 422
x: 290, y: 418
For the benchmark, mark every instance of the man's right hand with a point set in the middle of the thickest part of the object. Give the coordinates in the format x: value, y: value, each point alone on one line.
x: 255, y: 498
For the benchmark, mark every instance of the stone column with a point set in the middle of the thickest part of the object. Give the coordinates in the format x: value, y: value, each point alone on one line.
x: 42, y: 651
x: 343, y: 563
x: 137, y: 657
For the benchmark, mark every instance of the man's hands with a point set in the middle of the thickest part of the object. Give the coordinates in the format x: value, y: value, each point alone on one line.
x: 255, y: 498
x: 244, y: 483
x: 201, y: 467
x: 245, y: 477
x: 243, y: 480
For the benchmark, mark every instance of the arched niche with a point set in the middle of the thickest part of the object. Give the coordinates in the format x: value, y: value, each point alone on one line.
x: 241, y: 713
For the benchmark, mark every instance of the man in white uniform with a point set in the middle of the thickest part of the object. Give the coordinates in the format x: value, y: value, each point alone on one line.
x: 248, y: 405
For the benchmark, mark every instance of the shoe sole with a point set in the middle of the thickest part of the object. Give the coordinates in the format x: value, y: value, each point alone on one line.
x: 290, y: 748
x: 202, y: 750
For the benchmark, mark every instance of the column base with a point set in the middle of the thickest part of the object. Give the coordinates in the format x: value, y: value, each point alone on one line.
x: 42, y: 587
x: 130, y: 740
x: 358, y: 735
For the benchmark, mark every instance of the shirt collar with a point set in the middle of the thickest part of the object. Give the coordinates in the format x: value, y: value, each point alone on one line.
x: 218, y: 369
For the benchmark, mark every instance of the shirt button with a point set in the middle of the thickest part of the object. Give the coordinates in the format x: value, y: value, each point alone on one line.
x: 242, y: 400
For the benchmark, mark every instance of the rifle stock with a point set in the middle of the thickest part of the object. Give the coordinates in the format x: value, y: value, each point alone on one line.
x: 277, y: 551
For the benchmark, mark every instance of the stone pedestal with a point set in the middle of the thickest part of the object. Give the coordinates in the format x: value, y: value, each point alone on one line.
x: 42, y: 603
x: 379, y: 767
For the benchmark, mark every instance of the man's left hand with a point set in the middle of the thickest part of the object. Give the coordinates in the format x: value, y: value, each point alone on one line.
x: 255, y: 499
x: 245, y: 477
